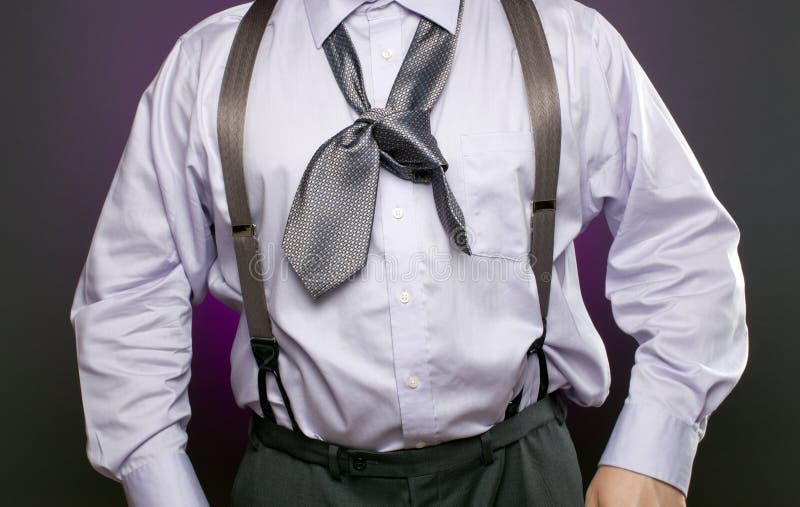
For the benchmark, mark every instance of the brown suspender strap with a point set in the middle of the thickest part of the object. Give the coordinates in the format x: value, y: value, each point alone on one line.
x: 230, y: 133
x: 545, y: 114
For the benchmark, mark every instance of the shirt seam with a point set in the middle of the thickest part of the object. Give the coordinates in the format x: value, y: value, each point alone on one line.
x: 692, y: 425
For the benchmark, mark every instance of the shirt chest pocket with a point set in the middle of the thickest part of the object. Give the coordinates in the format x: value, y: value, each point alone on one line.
x: 498, y: 184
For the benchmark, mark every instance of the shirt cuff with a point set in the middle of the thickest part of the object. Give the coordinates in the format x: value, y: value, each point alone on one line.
x: 167, y: 481
x: 651, y: 441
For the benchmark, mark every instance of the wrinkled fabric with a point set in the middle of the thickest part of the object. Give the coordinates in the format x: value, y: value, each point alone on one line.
x: 421, y: 313
x: 539, y: 469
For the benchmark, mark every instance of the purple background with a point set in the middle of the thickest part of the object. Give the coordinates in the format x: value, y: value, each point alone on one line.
x: 728, y: 71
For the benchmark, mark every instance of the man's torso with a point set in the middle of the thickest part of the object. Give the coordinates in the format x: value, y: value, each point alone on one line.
x: 426, y: 344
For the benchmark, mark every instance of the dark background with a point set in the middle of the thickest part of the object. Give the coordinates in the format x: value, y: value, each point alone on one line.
x: 74, y: 72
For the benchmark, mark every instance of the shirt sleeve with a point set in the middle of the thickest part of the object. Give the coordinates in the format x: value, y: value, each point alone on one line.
x: 673, y: 278
x: 147, y: 266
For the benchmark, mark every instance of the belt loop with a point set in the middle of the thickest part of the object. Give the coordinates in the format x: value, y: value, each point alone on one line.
x: 333, y: 462
x: 487, y: 457
x: 513, y: 406
x: 561, y: 408
x: 251, y: 436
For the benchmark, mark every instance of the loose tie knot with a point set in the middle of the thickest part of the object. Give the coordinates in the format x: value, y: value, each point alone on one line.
x: 373, y: 115
x: 328, y: 230
x: 403, y: 137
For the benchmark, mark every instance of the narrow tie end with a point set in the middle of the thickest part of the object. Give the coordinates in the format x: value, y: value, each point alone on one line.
x: 461, y: 240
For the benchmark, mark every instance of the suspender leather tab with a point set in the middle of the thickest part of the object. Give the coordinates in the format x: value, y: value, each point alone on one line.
x: 265, y: 351
x: 538, y: 343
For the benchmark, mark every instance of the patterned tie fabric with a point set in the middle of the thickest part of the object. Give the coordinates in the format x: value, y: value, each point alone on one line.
x: 327, y: 233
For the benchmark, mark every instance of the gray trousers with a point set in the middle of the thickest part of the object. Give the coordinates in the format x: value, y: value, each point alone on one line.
x: 538, y: 469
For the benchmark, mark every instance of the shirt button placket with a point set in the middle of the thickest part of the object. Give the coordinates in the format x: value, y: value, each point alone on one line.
x: 396, y: 197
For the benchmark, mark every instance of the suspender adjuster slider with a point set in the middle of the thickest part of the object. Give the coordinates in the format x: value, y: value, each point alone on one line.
x: 543, y: 205
x: 244, y: 230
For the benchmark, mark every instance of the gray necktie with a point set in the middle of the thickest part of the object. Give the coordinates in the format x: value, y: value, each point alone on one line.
x: 327, y: 233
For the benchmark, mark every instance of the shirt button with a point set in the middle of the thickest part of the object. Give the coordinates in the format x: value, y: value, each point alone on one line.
x: 397, y: 213
x: 412, y: 382
x: 420, y: 445
x: 386, y: 53
x: 405, y: 297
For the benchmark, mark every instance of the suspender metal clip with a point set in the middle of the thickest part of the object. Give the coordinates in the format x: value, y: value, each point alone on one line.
x: 265, y: 351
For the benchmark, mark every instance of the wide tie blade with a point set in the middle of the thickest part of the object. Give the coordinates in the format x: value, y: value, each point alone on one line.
x: 327, y: 233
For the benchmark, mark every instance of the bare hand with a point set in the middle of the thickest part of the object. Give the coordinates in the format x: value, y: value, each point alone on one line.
x: 618, y: 487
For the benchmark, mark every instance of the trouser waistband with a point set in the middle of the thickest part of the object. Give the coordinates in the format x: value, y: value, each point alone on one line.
x: 410, y: 462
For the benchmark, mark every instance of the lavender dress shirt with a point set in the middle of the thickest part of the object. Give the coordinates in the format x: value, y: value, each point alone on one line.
x: 427, y: 344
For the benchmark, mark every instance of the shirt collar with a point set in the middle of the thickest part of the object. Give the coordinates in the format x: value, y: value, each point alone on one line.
x: 325, y: 15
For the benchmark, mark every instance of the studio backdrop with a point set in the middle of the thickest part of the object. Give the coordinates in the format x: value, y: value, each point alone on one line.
x: 727, y: 70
